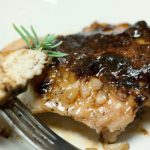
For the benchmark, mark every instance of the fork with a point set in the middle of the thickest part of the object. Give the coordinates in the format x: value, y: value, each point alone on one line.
x: 31, y: 128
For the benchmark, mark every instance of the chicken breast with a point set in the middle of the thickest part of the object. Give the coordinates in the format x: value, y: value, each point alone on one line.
x: 16, y: 69
x: 103, y: 82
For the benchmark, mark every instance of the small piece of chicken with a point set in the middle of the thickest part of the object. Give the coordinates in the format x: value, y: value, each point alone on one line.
x: 16, y: 69
x: 117, y: 146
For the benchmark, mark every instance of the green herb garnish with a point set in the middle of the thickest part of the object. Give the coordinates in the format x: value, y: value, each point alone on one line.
x: 47, y: 44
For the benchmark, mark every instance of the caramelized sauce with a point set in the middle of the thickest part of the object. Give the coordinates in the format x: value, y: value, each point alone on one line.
x: 118, y: 55
x: 120, y: 58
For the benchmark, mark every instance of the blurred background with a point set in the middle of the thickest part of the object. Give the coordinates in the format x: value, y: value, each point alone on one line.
x: 66, y: 16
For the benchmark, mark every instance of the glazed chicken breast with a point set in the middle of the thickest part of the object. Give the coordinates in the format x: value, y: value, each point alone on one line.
x: 16, y: 69
x: 103, y: 82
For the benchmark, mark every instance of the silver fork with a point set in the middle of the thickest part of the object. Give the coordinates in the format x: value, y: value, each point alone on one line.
x: 30, y: 127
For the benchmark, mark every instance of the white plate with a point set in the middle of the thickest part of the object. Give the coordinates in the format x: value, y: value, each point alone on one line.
x: 69, y: 16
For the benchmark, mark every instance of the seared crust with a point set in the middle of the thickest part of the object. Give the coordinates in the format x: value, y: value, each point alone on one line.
x: 120, y: 54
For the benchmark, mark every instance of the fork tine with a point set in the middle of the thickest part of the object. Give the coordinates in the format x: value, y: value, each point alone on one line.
x: 50, y: 134
x: 32, y: 128
x: 18, y: 125
x: 24, y: 112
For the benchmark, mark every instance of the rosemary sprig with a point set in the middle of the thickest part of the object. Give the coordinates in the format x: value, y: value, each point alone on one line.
x: 34, y: 43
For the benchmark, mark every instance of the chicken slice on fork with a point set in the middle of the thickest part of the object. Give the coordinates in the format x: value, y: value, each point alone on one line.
x: 16, y: 69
